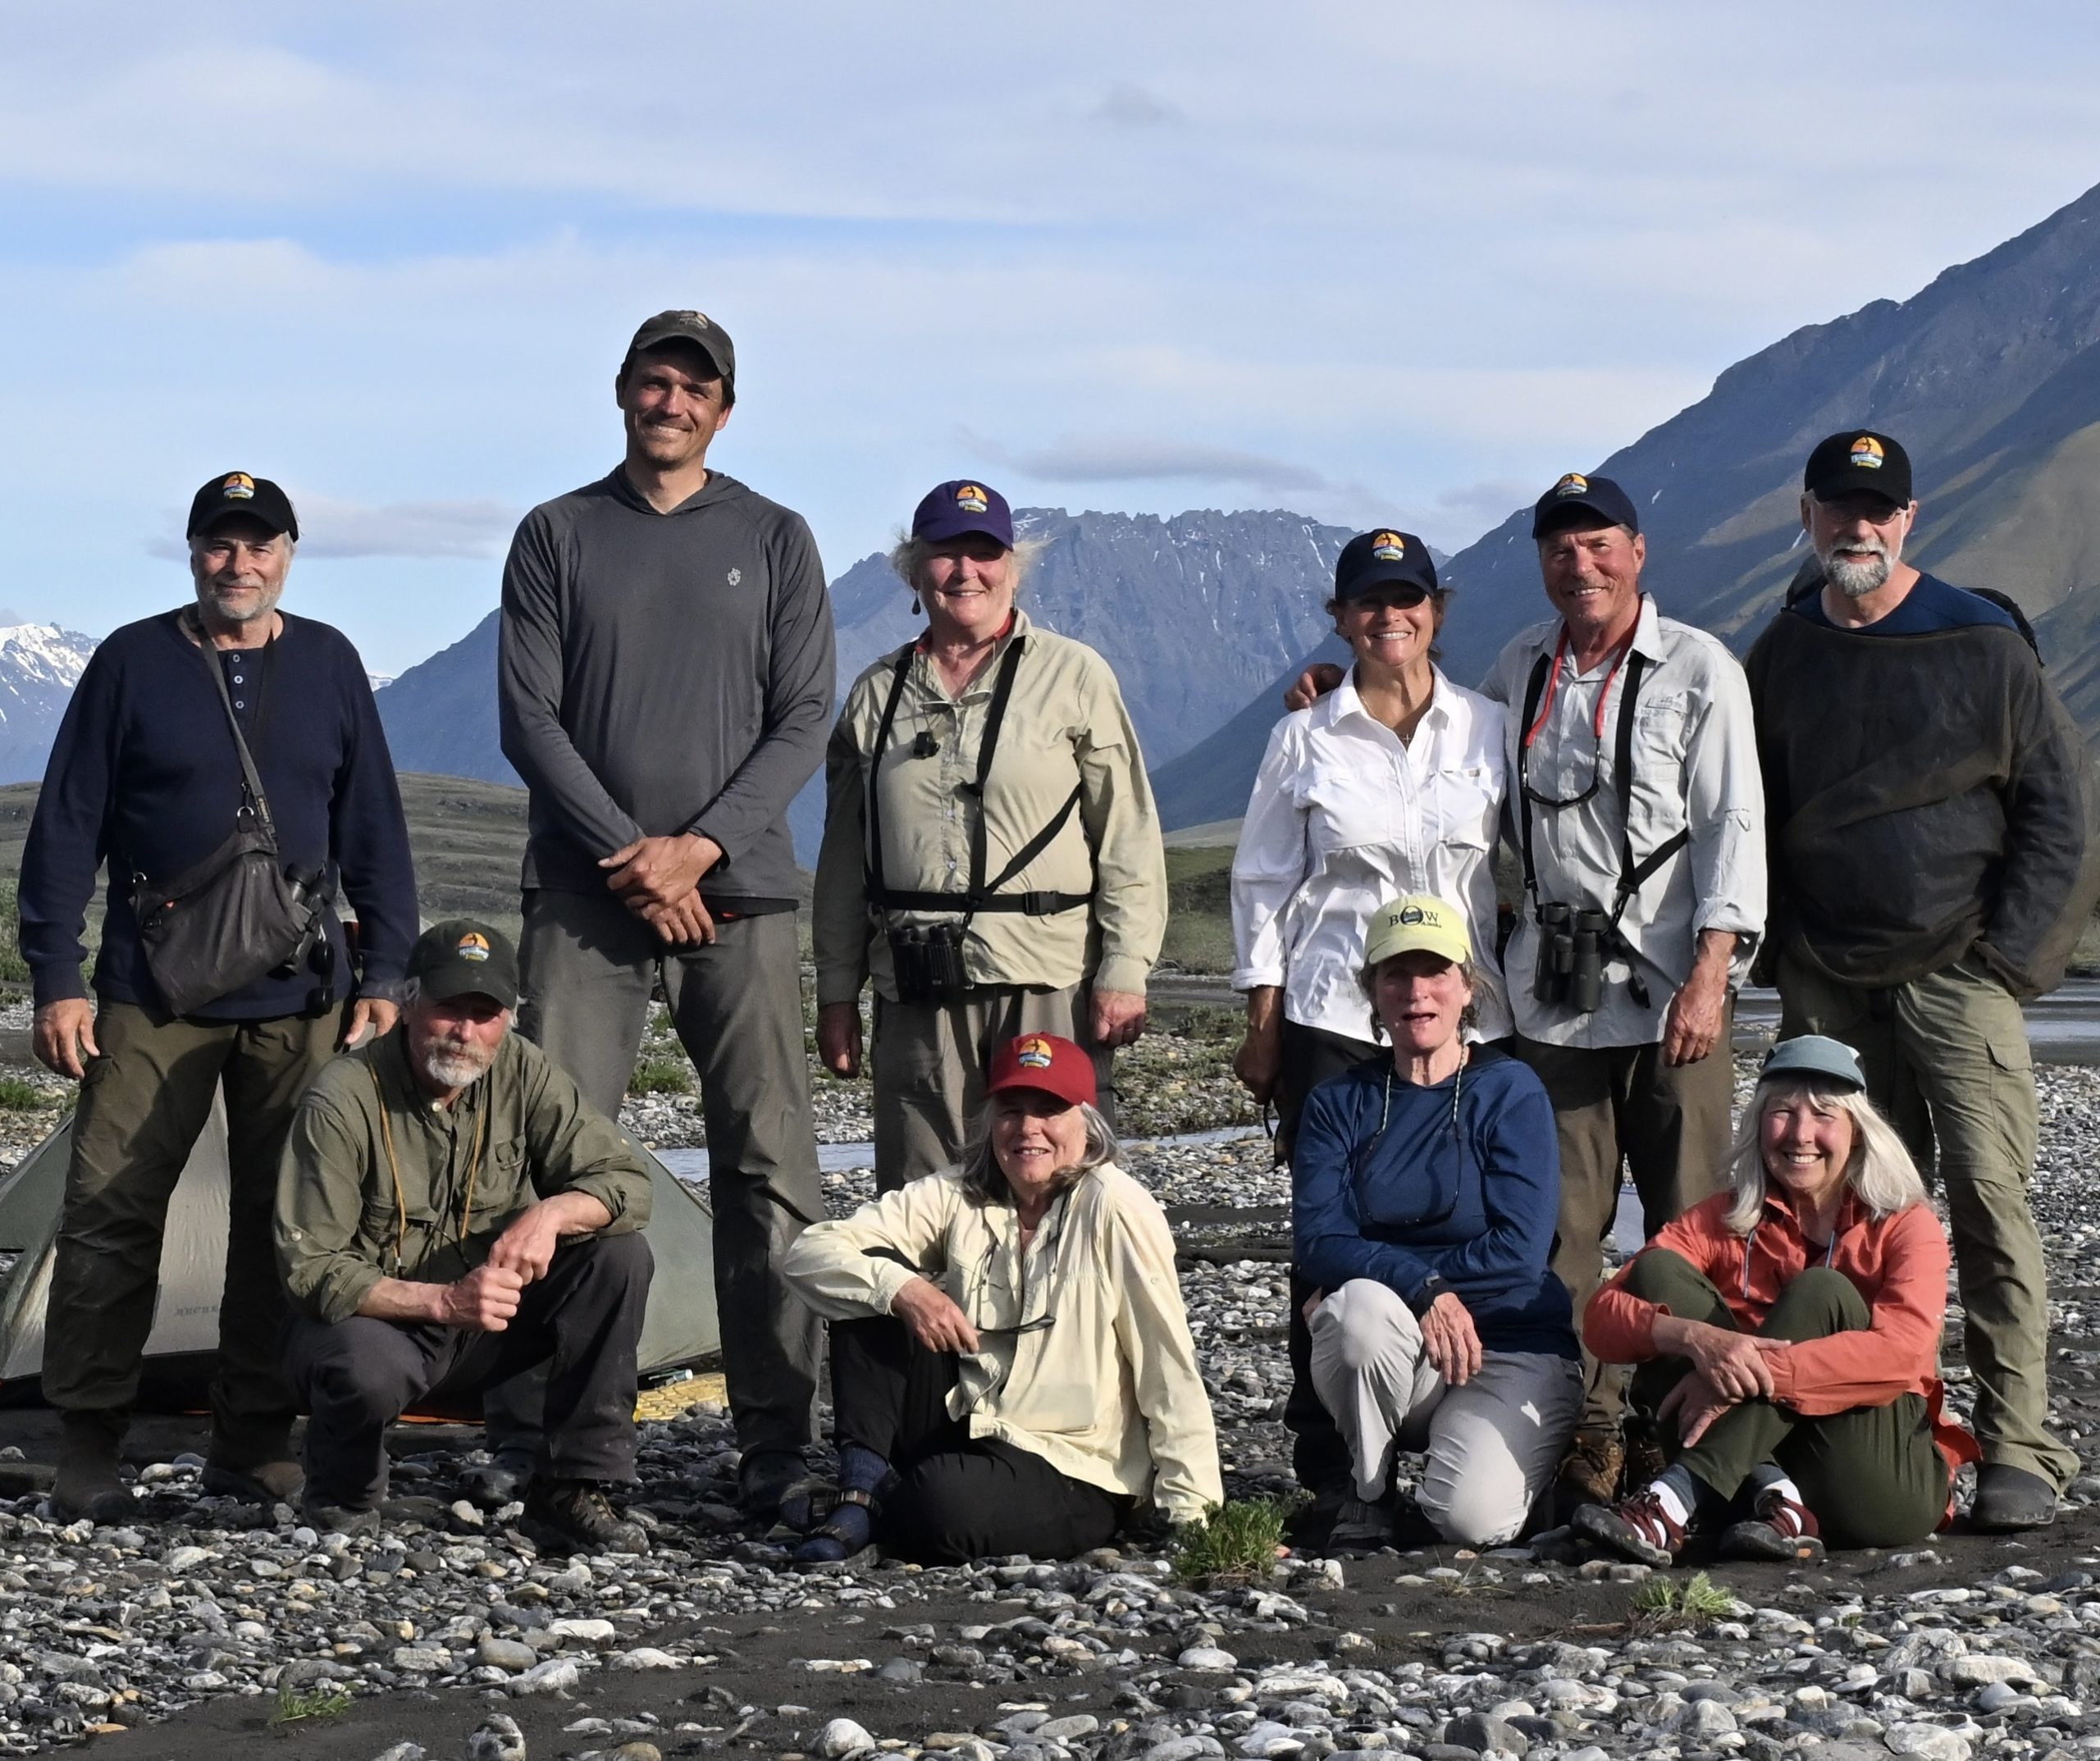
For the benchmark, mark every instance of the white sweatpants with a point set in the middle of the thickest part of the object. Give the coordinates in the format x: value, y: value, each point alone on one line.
x: 1492, y: 1445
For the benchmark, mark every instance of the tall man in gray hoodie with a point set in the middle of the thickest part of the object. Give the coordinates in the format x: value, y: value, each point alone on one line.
x: 666, y: 679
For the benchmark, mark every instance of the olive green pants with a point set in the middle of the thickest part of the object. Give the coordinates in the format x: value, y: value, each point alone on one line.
x: 1872, y: 1475
x: 1947, y: 1061
x: 143, y: 1105
x: 929, y: 1062
x: 1667, y: 1124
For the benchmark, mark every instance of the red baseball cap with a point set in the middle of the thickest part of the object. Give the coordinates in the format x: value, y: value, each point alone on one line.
x: 1044, y: 1061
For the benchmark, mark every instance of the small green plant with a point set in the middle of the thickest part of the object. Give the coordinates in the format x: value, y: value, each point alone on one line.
x: 660, y: 1076
x: 1698, y: 1602
x: 12, y: 965
x: 1236, y: 1541
x: 305, y: 1705
x: 18, y: 1096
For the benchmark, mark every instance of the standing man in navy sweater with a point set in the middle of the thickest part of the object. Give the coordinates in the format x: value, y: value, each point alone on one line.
x: 146, y: 776
x: 665, y: 682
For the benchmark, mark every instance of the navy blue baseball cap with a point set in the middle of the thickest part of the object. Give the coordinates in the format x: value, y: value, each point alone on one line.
x: 1383, y: 558
x: 959, y: 507
x: 1590, y: 495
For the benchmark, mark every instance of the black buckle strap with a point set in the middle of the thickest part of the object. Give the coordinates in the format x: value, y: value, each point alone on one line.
x: 983, y: 895
x: 1632, y: 875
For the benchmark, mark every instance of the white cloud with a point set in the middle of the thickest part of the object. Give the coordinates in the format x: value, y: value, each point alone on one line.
x: 1132, y: 458
x: 334, y: 529
x: 1471, y: 508
x: 1132, y: 106
x: 1176, y: 255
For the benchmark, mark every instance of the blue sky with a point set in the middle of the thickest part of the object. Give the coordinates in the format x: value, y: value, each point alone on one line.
x: 1376, y: 262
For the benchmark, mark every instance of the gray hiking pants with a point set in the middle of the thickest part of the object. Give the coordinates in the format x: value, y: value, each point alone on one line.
x: 588, y: 964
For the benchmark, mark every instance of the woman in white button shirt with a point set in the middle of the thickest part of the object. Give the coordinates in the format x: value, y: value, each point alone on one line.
x: 1390, y: 784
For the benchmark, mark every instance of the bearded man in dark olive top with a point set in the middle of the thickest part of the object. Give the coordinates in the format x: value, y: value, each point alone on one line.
x: 666, y: 682
x: 1932, y: 812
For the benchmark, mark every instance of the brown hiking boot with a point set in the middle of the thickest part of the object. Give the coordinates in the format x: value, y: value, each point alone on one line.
x: 88, y: 1485
x: 1590, y: 1470
x: 1646, y: 1457
x: 279, y: 1482
x: 575, y: 1516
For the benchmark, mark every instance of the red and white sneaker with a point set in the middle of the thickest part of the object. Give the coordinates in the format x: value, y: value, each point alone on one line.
x: 1781, y: 1529
x: 1636, y: 1528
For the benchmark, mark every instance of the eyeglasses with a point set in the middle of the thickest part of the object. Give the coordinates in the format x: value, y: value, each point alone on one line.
x: 1539, y: 799
x: 1019, y: 1327
x: 1876, y: 510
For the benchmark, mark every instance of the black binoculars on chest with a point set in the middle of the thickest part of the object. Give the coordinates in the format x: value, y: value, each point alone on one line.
x: 1573, y: 942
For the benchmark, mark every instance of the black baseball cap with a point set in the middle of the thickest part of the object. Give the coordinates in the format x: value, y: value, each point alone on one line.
x: 1590, y: 494
x: 1859, y: 462
x: 695, y: 327
x: 1383, y: 559
x: 254, y: 498
x: 461, y: 957
x: 960, y: 506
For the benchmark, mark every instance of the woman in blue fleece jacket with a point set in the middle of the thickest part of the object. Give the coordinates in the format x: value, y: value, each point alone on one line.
x: 1425, y: 1188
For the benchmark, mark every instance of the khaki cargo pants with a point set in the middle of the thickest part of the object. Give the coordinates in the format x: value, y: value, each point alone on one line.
x: 143, y: 1105
x: 1947, y: 1061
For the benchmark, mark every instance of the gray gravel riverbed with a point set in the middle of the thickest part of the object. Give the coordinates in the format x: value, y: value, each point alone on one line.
x: 182, y: 1633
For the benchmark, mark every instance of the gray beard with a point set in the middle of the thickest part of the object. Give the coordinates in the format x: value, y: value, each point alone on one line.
x: 227, y: 614
x: 1855, y: 581
x: 455, y: 1069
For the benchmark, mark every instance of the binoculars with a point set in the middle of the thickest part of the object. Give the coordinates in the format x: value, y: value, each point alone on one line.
x: 928, y: 963
x: 1571, y: 963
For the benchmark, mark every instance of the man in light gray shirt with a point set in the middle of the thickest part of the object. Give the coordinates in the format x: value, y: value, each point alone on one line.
x: 666, y: 679
x: 1636, y: 811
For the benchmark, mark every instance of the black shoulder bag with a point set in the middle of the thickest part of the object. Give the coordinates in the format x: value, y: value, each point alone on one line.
x: 242, y: 912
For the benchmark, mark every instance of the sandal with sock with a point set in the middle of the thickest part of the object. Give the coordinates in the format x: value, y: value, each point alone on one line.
x: 1781, y: 1527
x: 846, y: 1534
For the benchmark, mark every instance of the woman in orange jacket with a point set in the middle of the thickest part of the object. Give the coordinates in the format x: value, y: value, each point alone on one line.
x: 1788, y: 1335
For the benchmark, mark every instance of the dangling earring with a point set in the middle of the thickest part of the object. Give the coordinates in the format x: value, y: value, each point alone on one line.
x: 915, y: 612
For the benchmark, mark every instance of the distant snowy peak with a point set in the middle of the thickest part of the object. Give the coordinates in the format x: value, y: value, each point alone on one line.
x: 39, y: 665
x: 41, y: 656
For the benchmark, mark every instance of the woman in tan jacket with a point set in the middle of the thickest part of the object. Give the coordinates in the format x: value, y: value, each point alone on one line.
x: 1011, y: 1367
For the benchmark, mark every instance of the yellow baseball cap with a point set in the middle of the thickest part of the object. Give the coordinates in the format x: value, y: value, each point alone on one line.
x: 1419, y: 920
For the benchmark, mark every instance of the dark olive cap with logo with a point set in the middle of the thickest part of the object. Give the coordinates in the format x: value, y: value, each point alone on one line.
x: 461, y: 957
x: 694, y: 327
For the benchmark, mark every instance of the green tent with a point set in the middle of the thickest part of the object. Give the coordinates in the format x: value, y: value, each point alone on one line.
x: 681, y: 1329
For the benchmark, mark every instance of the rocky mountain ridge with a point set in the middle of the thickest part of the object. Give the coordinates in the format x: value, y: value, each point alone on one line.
x: 1195, y: 613
x: 1990, y: 376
